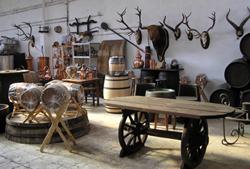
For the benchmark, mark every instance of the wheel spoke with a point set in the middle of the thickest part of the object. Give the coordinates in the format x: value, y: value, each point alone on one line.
x: 140, y: 116
x: 130, y: 140
x: 127, y: 134
x: 129, y: 126
x: 131, y: 119
x: 139, y: 138
x: 134, y: 140
x: 136, y: 118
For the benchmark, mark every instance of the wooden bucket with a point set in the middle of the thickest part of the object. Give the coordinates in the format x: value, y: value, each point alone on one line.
x: 116, y: 66
x: 115, y: 87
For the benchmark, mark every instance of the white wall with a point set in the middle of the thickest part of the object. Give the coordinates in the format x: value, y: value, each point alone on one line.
x: 223, y: 47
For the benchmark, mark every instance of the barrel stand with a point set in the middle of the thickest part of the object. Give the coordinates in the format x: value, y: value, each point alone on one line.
x: 54, y: 127
x: 32, y: 115
x: 134, y: 129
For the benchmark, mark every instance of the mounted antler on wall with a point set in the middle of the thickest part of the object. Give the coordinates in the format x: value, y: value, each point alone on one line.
x: 176, y: 29
x: 204, y: 36
x: 31, y: 42
x: 238, y: 29
x: 189, y: 33
x: 159, y: 36
x: 137, y: 33
x: 89, y: 32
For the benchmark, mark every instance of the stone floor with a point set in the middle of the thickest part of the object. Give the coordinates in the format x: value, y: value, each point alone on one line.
x: 100, y: 149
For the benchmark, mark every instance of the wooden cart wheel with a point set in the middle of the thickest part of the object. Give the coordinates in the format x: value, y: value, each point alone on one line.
x: 194, y: 142
x: 132, y: 132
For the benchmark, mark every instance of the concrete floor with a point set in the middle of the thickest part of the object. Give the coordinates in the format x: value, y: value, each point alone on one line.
x: 100, y: 149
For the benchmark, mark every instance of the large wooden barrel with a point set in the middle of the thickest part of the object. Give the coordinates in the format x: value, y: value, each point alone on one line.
x: 30, y: 98
x: 54, y: 97
x: 115, y: 87
x: 237, y: 73
x: 17, y: 89
x: 244, y: 46
x: 224, y: 95
x: 34, y: 133
x: 116, y: 66
x: 76, y: 90
x: 245, y: 96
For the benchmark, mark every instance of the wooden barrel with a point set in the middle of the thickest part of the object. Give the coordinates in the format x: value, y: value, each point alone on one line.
x: 30, y: 98
x: 115, y: 87
x: 237, y: 73
x: 224, y: 95
x: 244, y: 46
x: 245, y: 96
x: 4, y: 111
x: 76, y: 90
x: 116, y: 66
x: 17, y: 89
x: 34, y: 133
x: 55, y: 96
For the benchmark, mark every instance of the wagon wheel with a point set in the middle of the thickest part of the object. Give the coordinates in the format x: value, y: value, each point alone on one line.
x: 132, y: 132
x: 194, y: 142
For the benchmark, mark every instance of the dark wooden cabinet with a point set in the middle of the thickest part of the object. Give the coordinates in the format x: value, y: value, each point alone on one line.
x: 172, y: 76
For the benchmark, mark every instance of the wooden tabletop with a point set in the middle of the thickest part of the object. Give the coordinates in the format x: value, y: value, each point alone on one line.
x: 4, y: 72
x: 80, y: 80
x: 180, y: 108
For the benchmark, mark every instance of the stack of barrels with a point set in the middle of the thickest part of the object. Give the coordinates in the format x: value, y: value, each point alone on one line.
x: 116, y: 83
x: 237, y: 76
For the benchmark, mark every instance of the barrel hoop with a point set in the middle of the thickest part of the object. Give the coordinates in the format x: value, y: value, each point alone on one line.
x: 116, y: 88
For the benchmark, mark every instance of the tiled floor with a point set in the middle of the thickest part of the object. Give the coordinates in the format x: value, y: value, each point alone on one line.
x: 100, y: 149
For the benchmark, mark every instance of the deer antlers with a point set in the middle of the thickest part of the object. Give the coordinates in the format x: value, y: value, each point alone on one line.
x: 27, y: 36
x: 176, y: 30
x: 124, y: 23
x: 204, y: 36
x: 238, y: 29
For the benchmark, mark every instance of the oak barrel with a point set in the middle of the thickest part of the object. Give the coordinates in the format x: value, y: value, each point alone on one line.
x: 244, y: 46
x: 34, y: 133
x: 115, y: 87
x: 225, y: 95
x: 116, y: 65
x: 237, y: 73
x: 245, y: 96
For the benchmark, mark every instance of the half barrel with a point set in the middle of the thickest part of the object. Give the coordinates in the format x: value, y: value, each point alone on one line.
x: 244, y: 46
x: 115, y: 87
x: 237, y: 73
x: 224, y: 95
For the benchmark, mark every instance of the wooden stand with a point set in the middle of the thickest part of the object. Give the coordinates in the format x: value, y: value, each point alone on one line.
x: 54, y: 127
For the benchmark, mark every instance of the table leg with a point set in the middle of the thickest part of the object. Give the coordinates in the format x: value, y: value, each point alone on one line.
x: 194, y: 142
x: 132, y: 131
